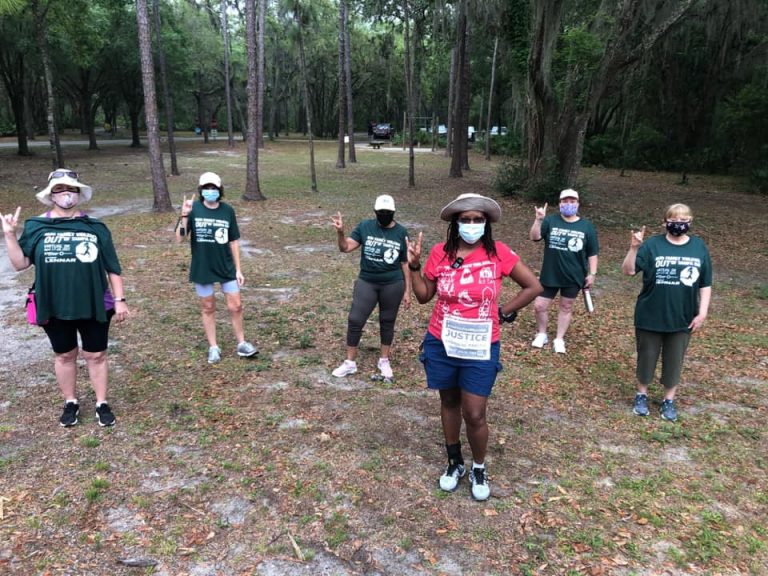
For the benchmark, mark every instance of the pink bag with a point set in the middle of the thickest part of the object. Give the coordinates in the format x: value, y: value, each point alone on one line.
x: 32, y: 308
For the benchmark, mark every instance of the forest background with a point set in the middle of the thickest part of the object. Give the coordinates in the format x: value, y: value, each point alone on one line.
x: 273, y: 467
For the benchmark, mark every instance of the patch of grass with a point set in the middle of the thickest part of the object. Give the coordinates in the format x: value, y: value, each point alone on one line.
x: 90, y: 442
x: 336, y: 530
x: 97, y: 487
x: 102, y: 466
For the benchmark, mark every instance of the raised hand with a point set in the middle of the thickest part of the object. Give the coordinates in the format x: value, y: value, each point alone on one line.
x: 338, y: 222
x: 637, y: 237
x: 414, y: 249
x: 186, y: 205
x: 10, y: 221
x: 541, y: 211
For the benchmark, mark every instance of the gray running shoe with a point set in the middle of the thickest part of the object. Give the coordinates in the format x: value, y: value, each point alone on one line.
x: 246, y: 350
x: 214, y: 355
x: 641, y: 405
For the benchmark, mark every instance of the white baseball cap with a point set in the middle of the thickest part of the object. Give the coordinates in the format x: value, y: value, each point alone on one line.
x: 209, y: 178
x: 569, y: 193
x: 385, y: 202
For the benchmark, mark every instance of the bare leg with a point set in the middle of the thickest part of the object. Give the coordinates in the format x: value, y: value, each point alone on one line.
x: 450, y: 414
x: 98, y: 371
x: 235, y: 307
x: 474, y: 409
x: 564, y: 316
x: 385, y: 350
x: 65, y: 367
x: 541, y: 311
x: 351, y: 353
x: 208, y: 308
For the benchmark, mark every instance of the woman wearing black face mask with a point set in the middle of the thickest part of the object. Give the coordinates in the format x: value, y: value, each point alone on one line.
x: 383, y: 280
x: 674, y: 302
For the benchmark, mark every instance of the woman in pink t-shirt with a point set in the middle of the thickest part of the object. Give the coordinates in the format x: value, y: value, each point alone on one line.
x: 460, y: 351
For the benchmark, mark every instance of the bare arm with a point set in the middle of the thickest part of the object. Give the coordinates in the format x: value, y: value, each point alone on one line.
x: 705, y: 296
x: 423, y: 288
x: 345, y: 244
x: 628, y: 266
x: 530, y: 288
x: 535, y: 231
x: 118, y: 291
x: 15, y: 255
x: 408, y: 285
x: 590, y: 279
x: 182, y: 227
x: 235, y: 246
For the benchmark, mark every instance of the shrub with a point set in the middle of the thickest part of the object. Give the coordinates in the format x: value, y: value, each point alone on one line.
x: 512, y: 180
x: 759, y: 179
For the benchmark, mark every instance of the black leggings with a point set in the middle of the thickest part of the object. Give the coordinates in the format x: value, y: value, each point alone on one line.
x: 365, y: 296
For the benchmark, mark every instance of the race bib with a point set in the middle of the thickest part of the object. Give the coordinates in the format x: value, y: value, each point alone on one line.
x: 467, y: 339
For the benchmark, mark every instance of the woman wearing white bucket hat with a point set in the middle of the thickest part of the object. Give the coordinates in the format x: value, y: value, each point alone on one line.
x: 78, y: 287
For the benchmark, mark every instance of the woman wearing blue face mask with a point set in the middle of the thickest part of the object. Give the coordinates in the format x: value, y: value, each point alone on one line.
x: 674, y: 302
x: 569, y: 264
x: 460, y: 351
x: 214, y: 237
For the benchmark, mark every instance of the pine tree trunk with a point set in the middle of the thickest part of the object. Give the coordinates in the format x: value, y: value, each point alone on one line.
x: 162, y: 201
x: 490, y: 101
x: 262, y: 81
x: 461, y: 90
x: 227, y: 80
x: 167, y: 98
x: 41, y: 35
x: 307, y: 103
x: 252, y: 187
x: 342, y: 82
x: 408, y: 128
x: 348, y: 75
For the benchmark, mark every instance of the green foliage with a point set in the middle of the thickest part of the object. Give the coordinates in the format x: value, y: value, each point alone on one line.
x: 512, y: 179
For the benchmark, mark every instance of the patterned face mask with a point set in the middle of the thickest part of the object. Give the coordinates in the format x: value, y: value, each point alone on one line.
x: 678, y: 228
x: 65, y: 200
x: 569, y: 209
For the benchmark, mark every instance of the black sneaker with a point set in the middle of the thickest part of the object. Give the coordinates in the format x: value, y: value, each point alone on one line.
x: 104, y: 415
x: 69, y: 416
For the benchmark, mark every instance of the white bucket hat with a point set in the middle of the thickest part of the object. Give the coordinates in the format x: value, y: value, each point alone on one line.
x: 67, y: 178
x: 471, y: 201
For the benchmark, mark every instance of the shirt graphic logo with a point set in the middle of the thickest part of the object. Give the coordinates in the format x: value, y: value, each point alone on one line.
x: 575, y: 244
x: 86, y: 252
x: 221, y: 235
x: 689, y: 275
x: 391, y: 255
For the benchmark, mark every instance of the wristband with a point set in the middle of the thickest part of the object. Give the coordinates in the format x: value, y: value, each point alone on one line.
x: 120, y: 300
x: 414, y: 268
x: 507, y: 318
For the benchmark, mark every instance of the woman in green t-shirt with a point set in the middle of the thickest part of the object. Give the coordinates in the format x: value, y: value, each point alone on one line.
x: 78, y: 287
x: 673, y: 303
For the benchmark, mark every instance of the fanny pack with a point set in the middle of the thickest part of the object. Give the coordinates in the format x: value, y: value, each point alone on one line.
x: 32, y: 307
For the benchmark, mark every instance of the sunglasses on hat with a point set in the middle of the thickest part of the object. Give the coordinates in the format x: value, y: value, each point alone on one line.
x: 62, y: 174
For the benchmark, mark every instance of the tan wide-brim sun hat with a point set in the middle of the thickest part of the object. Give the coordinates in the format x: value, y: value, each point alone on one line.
x: 67, y: 178
x: 472, y: 202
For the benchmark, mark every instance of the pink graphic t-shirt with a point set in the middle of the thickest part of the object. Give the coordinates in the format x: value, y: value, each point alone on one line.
x: 470, y: 291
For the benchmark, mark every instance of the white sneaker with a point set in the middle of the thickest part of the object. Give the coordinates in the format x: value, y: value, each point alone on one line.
x: 481, y: 491
x: 214, y: 355
x: 558, y: 345
x: 347, y: 367
x: 385, y: 368
x: 540, y: 340
x: 449, y: 481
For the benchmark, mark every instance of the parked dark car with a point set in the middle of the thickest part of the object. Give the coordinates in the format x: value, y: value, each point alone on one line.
x: 383, y: 131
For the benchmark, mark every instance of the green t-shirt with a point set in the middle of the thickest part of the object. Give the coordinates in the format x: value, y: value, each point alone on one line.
x: 211, y: 230
x: 672, y: 278
x: 72, y: 257
x: 567, y: 248
x: 382, y: 251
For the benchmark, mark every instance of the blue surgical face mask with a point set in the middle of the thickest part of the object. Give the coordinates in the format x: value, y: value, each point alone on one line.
x: 210, y: 195
x: 471, y: 233
x: 569, y: 209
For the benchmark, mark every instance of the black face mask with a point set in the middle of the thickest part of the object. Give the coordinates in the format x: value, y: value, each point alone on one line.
x: 678, y: 228
x: 384, y: 217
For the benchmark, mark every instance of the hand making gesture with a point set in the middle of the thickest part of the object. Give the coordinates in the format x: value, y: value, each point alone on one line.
x: 637, y: 238
x: 10, y: 221
x: 338, y: 222
x: 414, y: 250
x: 541, y: 211
x: 186, y: 205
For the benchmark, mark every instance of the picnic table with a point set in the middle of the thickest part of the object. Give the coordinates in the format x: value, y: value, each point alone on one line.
x: 376, y: 144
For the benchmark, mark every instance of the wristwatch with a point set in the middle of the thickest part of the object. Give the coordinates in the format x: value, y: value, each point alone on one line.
x: 507, y: 318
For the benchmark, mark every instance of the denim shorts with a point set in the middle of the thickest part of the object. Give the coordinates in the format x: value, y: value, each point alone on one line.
x: 444, y: 373
x: 206, y: 290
